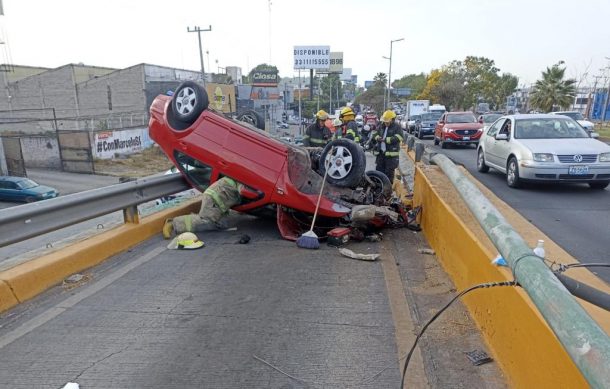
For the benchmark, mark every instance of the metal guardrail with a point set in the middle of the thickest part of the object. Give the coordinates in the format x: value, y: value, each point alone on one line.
x: 586, y: 343
x: 29, y: 220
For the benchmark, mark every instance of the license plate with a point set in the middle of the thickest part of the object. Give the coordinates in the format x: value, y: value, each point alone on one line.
x: 466, y: 138
x: 578, y: 170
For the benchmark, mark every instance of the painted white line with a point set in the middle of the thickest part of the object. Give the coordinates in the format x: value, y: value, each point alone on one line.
x: 71, y: 301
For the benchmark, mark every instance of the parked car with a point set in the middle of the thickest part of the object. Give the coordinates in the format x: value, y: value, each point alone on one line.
x: 488, y: 119
x: 205, y: 145
x: 457, y: 128
x: 427, y: 124
x: 546, y: 148
x: 587, y: 125
x: 24, y: 190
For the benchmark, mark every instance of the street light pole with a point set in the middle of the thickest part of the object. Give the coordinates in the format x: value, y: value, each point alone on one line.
x: 390, y: 73
x: 384, y: 94
x: 199, y: 31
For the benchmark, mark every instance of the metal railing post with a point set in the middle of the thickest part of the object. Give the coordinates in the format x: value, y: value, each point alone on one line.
x: 586, y: 343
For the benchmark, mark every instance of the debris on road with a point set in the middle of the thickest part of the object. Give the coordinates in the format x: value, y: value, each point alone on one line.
x: 244, y: 239
x: 363, y: 257
x: 426, y: 251
x: 339, y: 236
x: 478, y: 357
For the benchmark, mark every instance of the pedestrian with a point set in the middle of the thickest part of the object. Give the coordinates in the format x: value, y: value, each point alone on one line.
x: 217, y: 200
x: 350, y: 127
x: 317, y: 134
x: 388, y: 138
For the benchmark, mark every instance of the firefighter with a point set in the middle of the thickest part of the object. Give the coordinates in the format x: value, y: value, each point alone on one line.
x: 339, y: 129
x: 388, y: 138
x: 317, y: 134
x: 350, y: 127
x: 217, y: 200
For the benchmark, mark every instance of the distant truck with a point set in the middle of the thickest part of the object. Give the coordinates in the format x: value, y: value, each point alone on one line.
x: 417, y: 107
x: 414, y: 110
x: 437, y: 108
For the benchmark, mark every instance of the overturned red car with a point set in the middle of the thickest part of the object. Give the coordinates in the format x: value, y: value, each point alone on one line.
x: 205, y: 145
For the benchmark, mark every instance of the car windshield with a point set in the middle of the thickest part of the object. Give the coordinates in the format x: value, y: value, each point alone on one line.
x: 431, y: 116
x: 559, y: 128
x: 26, y: 184
x: 488, y: 119
x: 461, y: 118
x: 573, y: 115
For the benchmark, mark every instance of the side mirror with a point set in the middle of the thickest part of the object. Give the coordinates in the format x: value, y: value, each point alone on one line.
x: 501, y: 136
x: 441, y: 122
x: 594, y: 135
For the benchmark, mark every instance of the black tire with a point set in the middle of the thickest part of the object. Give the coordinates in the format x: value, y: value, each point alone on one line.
x: 436, y: 141
x: 252, y: 117
x: 188, y: 102
x: 481, y: 166
x: 599, y: 185
x: 347, y: 163
x: 30, y: 199
x: 383, y: 186
x: 512, y: 173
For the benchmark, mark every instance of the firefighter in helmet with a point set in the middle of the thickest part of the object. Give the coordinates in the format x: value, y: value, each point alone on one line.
x: 350, y: 127
x: 317, y: 134
x: 388, y: 137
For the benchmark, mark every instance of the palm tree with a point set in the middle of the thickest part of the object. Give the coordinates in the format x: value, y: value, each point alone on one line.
x: 553, y: 91
x: 381, y: 78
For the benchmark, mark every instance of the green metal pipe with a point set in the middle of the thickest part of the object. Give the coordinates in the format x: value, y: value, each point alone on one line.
x: 586, y: 343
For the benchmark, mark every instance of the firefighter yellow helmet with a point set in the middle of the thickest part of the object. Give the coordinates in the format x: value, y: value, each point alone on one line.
x: 321, y: 115
x: 388, y: 116
x: 347, y: 111
x: 337, y: 122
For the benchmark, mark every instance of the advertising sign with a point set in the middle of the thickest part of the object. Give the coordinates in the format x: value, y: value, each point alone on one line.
x: 335, y: 64
x: 311, y: 57
x: 264, y: 93
x: 222, y: 97
x: 264, y: 78
x: 346, y: 75
x: 106, y: 144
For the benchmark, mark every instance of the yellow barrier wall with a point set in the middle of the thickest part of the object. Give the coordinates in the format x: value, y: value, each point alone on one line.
x: 521, y: 341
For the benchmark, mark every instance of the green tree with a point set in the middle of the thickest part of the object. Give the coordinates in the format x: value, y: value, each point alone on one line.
x: 373, y: 96
x: 416, y: 82
x: 261, y: 67
x: 381, y: 79
x: 331, y: 82
x: 552, y: 91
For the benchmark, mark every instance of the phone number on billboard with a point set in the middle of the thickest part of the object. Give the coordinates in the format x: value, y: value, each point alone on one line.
x: 311, y: 61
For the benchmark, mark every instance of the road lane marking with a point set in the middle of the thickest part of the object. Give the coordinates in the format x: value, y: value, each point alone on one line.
x: 404, y: 329
x: 71, y: 301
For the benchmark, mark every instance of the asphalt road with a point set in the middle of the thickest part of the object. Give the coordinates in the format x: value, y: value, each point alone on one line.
x: 574, y: 216
x: 214, y: 318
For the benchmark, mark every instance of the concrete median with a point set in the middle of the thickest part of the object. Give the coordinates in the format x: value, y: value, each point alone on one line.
x: 522, y: 342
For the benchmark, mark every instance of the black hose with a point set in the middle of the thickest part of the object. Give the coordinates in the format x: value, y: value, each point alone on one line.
x: 585, y: 292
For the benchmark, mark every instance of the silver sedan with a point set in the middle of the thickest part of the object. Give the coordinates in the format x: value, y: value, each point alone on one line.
x: 544, y: 148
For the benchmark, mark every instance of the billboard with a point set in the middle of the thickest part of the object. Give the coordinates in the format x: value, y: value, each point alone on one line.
x: 264, y: 93
x: 335, y: 64
x: 107, y: 144
x: 346, y: 75
x: 311, y: 57
x: 222, y: 97
x: 265, y: 78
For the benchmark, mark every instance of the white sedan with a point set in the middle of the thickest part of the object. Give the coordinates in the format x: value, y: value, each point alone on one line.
x: 544, y: 148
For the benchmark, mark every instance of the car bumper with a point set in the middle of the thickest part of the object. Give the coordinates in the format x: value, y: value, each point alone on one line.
x: 555, y: 172
x: 462, y: 141
x: 426, y: 131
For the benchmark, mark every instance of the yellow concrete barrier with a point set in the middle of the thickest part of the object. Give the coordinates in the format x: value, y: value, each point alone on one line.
x: 28, y: 279
x: 521, y: 341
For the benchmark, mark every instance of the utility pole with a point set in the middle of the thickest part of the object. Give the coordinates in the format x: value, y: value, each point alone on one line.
x: 199, y: 31
x: 390, y: 73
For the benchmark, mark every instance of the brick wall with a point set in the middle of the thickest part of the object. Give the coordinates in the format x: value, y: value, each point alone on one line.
x: 40, y: 152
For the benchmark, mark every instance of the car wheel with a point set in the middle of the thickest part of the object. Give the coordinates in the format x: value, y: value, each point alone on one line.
x: 599, y: 185
x: 30, y: 199
x: 346, y: 163
x: 383, y: 186
x: 252, y: 117
x: 512, y: 173
x: 436, y: 141
x: 481, y: 166
x: 188, y: 102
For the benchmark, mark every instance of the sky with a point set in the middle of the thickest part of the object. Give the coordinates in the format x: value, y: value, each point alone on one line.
x: 523, y: 37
